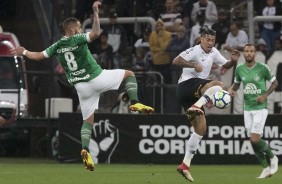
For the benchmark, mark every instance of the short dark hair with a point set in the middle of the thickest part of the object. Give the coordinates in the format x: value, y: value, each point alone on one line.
x: 104, y: 33
x: 207, y: 31
x: 69, y: 22
x: 250, y: 45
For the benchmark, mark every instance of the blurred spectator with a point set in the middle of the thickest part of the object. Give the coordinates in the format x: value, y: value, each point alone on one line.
x: 188, y: 6
x: 131, y: 8
x: 159, y: 40
x: 1, y: 29
x: 156, y: 7
x: 236, y: 38
x: 178, y: 6
x: 196, y: 29
x: 63, y: 9
x: 175, y: 47
x: 277, y: 44
x: 178, y: 43
x: 117, y: 39
x: 207, y: 8
x: 104, y: 53
x: 82, y: 9
x: 221, y: 27
x: 171, y: 18
x: 144, y: 40
x: 107, y: 5
x: 261, y: 46
x: 270, y: 30
x: 141, y: 59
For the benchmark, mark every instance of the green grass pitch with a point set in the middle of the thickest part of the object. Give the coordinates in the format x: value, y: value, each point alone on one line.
x: 40, y: 171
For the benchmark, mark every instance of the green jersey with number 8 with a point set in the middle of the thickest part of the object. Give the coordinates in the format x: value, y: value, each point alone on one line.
x: 254, y: 83
x: 75, y: 58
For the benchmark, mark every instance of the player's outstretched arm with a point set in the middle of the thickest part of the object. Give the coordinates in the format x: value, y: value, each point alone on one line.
x: 20, y: 51
x: 235, y: 55
x: 95, y: 32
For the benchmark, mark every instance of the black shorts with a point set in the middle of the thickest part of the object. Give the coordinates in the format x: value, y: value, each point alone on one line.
x: 189, y: 91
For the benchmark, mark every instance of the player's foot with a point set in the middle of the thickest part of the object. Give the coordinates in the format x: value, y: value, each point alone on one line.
x: 265, y: 173
x: 184, y: 170
x: 274, y: 165
x: 141, y: 108
x: 87, y: 160
x: 194, y: 111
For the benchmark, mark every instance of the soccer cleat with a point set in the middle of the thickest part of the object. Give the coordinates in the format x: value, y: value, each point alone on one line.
x: 184, y: 170
x: 141, y: 108
x: 194, y: 111
x: 265, y: 173
x: 87, y: 160
x: 274, y: 165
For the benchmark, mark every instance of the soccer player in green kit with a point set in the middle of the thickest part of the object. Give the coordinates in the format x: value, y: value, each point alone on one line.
x: 86, y: 75
x: 254, y: 75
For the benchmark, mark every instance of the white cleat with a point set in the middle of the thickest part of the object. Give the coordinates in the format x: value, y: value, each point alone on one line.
x: 184, y: 170
x: 265, y: 173
x: 274, y: 165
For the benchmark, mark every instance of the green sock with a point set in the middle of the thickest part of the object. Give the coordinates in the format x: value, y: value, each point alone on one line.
x: 260, y: 155
x: 266, y: 149
x: 86, y: 131
x: 131, y: 88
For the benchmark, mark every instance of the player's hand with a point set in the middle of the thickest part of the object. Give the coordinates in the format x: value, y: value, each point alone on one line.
x: 235, y: 55
x: 261, y: 98
x: 96, y: 5
x: 198, y: 68
x: 231, y: 92
x: 2, y: 121
x: 17, y: 51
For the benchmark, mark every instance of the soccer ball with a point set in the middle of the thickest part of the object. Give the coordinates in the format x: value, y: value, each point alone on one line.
x: 221, y: 99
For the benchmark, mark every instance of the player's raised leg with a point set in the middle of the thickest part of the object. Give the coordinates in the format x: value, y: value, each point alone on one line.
x: 208, y: 90
x: 131, y: 89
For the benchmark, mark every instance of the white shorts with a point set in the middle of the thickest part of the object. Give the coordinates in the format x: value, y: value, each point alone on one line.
x: 89, y: 92
x: 255, y: 121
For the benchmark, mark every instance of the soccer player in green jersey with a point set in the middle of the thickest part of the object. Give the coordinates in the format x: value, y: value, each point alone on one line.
x: 86, y: 75
x: 254, y: 75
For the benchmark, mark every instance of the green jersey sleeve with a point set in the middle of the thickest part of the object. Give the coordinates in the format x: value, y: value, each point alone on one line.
x: 268, y: 73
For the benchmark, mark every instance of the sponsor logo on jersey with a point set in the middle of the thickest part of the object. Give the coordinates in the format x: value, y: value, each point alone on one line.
x: 75, y: 79
x: 82, y: 71
x: 251, y: 89
x: 63, y: 50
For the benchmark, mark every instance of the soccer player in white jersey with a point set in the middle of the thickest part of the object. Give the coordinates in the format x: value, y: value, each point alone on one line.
x: 86, y: 75
x: 254, y: 75
x: 195, y: 90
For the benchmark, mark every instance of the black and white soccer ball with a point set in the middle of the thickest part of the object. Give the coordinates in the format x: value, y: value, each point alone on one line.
x: 221, y: 99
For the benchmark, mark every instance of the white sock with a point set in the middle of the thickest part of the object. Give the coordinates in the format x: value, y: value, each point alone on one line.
x: 192, y: 146
x: 207, y: 96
